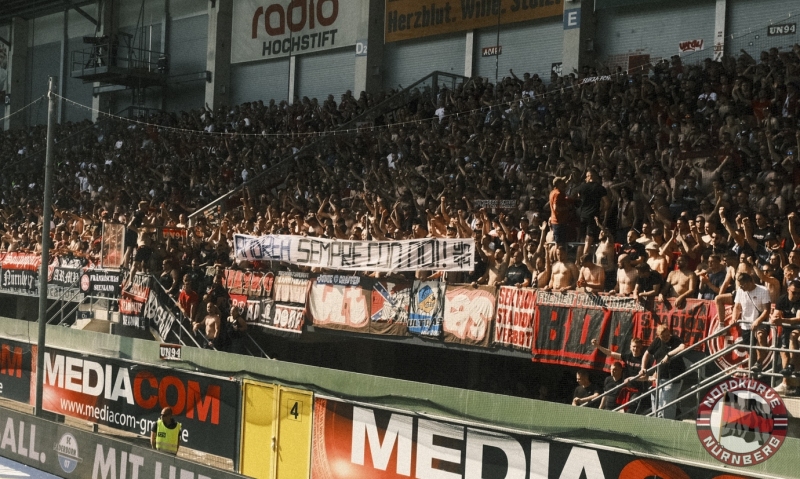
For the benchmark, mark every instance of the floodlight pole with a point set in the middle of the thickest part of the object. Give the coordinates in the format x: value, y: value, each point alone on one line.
x: 46, y: 217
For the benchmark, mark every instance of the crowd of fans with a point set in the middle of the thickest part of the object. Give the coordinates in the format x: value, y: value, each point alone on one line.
x: 677, y: 181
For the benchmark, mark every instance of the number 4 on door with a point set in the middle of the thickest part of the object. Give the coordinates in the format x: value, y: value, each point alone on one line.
x: 295, y: 410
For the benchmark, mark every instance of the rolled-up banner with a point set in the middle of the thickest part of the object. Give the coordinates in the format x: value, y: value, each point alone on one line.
x: 438, y: 254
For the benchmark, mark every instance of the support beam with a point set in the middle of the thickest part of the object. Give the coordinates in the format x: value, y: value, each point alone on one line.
x: 218, y: 54
x: 108, y: 12
x: 5, y: 42
x: 369, y: 49
x: 81, y: 11
x: 16, y: 80
x: 579, y: 32
x: 469, y: 53
x: 64, y: 69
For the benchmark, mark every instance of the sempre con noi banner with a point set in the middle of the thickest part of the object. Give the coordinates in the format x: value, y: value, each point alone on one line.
x: 438, y: 254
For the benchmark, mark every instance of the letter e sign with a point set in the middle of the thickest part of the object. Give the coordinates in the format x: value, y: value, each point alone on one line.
x: 572, y: 18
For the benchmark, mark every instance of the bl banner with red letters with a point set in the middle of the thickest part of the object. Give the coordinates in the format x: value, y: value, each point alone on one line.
x: 128, y: 396
x: 566, y: 323
x: 690, y: 323
x: 364, y: 441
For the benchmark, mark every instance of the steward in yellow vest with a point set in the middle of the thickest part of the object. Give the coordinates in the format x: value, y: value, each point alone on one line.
x: 167, y: 433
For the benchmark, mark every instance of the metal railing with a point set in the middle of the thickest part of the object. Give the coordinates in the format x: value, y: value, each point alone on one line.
x: 696, y: 367
x: 66, y: 299
x: 105, y: 55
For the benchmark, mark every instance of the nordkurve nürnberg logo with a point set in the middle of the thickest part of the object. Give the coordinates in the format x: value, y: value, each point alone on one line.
x: 742, y: 422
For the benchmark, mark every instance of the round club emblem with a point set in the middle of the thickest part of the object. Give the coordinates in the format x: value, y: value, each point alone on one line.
x: 742, y: 422
x: 67, y: 452
x: 85, y: 282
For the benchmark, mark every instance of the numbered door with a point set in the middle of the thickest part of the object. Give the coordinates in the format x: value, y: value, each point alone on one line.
x: 258, y: 430
x: 294, y: 434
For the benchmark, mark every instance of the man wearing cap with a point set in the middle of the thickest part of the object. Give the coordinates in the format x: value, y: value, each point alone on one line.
x: 166, y: 437
x: 657, y: 262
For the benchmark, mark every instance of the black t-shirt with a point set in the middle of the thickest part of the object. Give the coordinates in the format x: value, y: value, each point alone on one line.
x: 516, y: 274
x: 591, y: 194
x: 658, y: 349
x: 584, y: 392
x: 633, y: 365
x: 611, y: 399
x: 648, y: 283
x: 634, y: 250
x: 716, y: 279
x: 788, y: 308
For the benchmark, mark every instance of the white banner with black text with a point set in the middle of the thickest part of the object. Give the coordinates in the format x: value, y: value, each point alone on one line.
x: 438, y: 254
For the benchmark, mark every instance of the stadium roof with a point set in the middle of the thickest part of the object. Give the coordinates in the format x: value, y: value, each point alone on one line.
x: 29, y: 9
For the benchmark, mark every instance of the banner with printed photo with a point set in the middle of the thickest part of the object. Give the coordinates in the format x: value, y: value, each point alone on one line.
x: 390, y: 303
x: 340, y: 302
x: 426, y: 309
x: 440, y: 254
x: 468, y: 314
x: 115, y: 394
x: 513, y: 322
x: 263, y: 31
x: 406, y: 19
x: 291, y: 287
